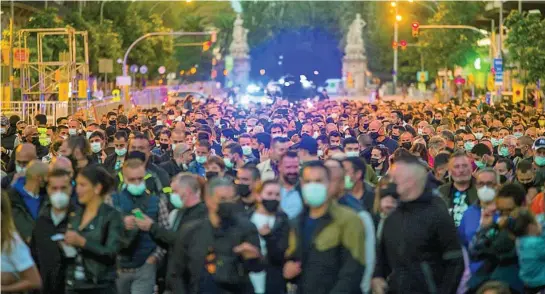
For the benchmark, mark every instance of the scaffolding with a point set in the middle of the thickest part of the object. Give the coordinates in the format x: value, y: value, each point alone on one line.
x: 61, y: 78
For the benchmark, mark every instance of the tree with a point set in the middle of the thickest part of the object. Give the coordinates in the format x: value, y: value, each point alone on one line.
x: 446, y: 48
x: 525, y: 41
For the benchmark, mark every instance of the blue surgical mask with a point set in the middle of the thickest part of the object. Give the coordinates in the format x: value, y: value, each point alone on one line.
x: 120, y: 152
x: 469, y: 145
x: 136, y: 189
x: 19, y: 169
x: 314, y: 194
x: 539, y: 160
x: 176, y: 200
x: 96, y: 147
x: 228, y: 162
x: 503, y: 151
x: 200, y: 159
x: 352, y: 154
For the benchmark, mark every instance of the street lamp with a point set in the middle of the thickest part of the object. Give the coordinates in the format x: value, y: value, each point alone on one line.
x: 399, y: 17
x: 102, y: 10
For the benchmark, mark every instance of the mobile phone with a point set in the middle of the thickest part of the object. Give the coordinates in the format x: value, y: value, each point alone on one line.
x: 138, y: 213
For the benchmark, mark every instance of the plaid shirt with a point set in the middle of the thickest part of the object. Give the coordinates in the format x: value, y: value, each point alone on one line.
x: 162, y: 220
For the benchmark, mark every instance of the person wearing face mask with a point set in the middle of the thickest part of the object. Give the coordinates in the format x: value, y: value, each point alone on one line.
x: 246, y: 180
x: 202, y: 152
x: 27, y: 196
x: 273, y: 228
x: 140, y: 256
x: 524, y: 149
x: 355, y: 183
x: 114, y: 161
x: 216, y: 254
x: 31, y: 135
x: 96, y: 141
x: 164, y: 144
x: 508, y: 147
x: 53, y: 220
x: 307, y: 149
x: 421, y: 232
x: 311, y: 262
x: 181, y: 156
x: 379, y: 160
x: 233, y: 158
x: 526, y: 177
x: 23, y: 154
x: 74, y: 127
x: 482, y: 156
x: 487, y: 182
x: 378, y: 134
x: 8, y: 134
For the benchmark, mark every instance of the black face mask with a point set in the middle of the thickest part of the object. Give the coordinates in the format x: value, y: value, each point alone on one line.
x: 112, y: 122
x: 426, y: 137
x: 210, y: 175
x: 35, y: 141
x: 365, y: 126
x: 291, y: 179
x: 394, y: 137
x: 503, y: 179
x: 103, y: 126
x: 406, y: 145
x: 374, y: 162
x: 164, y: 146
x: 518, y: 152
x: 373, y: 135
x: 270, y: 205
x: 243, y: 190
x: 226, y: 210
x: 389, y: 190
x: 436, y: 122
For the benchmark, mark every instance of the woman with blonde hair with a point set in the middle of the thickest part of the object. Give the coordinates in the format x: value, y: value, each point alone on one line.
x: 19, y: 273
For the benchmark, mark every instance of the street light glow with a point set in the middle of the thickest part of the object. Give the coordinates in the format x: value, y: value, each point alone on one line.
x: 393, y: 4
x: 399, y: 17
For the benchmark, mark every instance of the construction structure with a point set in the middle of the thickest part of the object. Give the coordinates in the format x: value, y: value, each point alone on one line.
x: 59, y: 76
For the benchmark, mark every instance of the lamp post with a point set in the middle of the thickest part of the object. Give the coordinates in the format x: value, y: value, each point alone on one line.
x: 102, y: 10
x: 396, y: 28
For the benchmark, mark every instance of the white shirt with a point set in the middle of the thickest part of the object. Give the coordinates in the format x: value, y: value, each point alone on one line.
x: 260, y: 220
x: 19, y: 259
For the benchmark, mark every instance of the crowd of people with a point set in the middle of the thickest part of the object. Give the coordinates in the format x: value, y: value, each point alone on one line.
x: 312, y: 197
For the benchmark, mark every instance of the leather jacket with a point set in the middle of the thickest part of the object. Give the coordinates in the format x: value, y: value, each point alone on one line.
x: 103, y: 242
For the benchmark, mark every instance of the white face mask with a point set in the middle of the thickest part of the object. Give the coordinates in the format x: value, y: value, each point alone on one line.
x: 72, y: 132
x: 96, y: 147
x: 486, y: 194
x: 3, y: 130
x: 59, y: 200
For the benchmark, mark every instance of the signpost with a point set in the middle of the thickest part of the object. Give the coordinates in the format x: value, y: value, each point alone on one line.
x: 498, y: 71
x: 422, y: 76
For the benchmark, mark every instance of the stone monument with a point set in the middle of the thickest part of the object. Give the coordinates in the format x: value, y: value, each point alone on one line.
x: 355, y: 61
x: 239, y: 50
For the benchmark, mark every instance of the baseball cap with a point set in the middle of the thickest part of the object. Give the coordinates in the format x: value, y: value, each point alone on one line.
x: 307, y: 143
x: 539, y: 143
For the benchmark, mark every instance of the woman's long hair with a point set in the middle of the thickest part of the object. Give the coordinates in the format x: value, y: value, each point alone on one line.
x: 8, y: 226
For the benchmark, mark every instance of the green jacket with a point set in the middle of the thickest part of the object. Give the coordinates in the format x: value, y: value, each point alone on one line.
x: 335, y: 261
x: 446, y: 193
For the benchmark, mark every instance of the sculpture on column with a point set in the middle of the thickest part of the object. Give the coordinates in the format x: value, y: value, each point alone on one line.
x: 239, y: 50
x: 355, y: 61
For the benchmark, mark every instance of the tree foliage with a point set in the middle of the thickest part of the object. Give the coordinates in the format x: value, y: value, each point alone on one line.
x: 525, y: 41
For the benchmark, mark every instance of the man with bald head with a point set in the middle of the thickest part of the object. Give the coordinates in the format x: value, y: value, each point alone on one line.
x: 421, y: 231
x: 377, y: 132
x: 27, y: 195
x: 24, y: 153
x: 62, y: 163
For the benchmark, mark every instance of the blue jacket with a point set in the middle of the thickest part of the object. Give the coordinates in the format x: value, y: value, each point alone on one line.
x: 469, y: 225
x: 531, y: 255
x: 142, y: 245
x: 196, y: 168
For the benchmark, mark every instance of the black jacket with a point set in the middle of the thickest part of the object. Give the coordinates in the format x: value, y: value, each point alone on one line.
x: 21, y: 215
x: 171, y: 167
x: 103, y: 235
x: 47, y: 253
x: 109, y: 163
x: 193, y: 246
x: 335, y: 259
x: 276, y: 243
x: 166, y: 238
x: 419, y: 249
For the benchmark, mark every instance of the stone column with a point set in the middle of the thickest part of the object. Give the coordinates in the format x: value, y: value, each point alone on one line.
x: 355, y: 61
x: 239, y: 51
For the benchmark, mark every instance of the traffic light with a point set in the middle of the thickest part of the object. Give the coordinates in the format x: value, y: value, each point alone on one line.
x: 394, y: 44
x: 206, y: 46
x: 403, y: 44
x: 415, y: 26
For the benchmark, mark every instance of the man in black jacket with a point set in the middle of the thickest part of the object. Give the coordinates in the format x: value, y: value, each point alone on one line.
x: 53, y: 221
x: 419, y: 251
x: 216, y: 254
x: 179, y: 162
